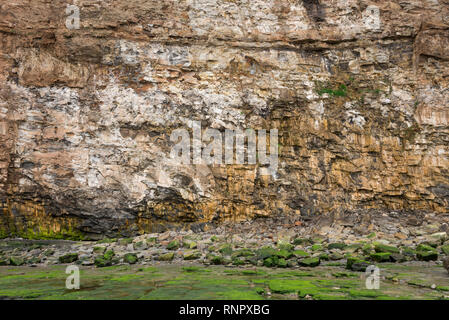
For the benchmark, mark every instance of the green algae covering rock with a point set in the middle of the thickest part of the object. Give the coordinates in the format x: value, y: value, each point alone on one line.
x: 301, y: 254
x: 445, y: 249
x: 336, y: 245
x: 173, y: 245
x: 381, y: 256
x: 16, y: 261
x: 192, y: 255
x: 427, y: 255
x: 217, y: 260
x: 130, y: 258
x: 310, y: 262
x: 167, y: 256
x: 105, y: 260
x: 356, y: 264
x: 68, y: 258
x: 378, y: 247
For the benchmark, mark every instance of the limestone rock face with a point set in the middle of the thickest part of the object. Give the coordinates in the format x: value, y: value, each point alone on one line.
x: 357, y: 89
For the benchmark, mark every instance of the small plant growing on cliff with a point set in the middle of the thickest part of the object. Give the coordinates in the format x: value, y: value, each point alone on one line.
x: 341, y: 91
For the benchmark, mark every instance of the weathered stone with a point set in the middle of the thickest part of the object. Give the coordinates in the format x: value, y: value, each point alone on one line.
x: 166, y: 256
x: 266, y: 252
x: 68, y: 258
x: 427, y: 255
x: 190, y: 244
x: 192, y: 255
x: 336, y: 245
x: 424, y: 247
x: 445, y: 249
x: 225, y: 249
x: 101, y: 262
x: 309, y: 262
x: 356, y: 264
x: 99, y: 250
x: 125, y: 241
x: 381, y: 256
x: 384, y: 248
x: 217, y: 260
x: 173, y: 245
x: 271, y: 262
x: 105, y: 259
x: 130, y: 258
x: 301, y: 254
x: 16, y: 261
x: 357, y: 91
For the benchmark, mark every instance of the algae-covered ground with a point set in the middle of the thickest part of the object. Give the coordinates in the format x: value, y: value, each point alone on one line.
x: 190, y: 281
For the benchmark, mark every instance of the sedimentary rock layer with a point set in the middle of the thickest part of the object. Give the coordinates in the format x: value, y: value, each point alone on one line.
x: 358, y: 91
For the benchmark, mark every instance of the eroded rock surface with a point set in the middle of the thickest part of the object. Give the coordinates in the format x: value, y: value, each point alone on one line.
x: 357, y: 89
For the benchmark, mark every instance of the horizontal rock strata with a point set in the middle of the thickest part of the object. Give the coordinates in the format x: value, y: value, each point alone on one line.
x: 358, y: 91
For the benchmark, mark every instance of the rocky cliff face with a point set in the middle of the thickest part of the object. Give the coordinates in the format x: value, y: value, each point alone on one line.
x: 357, y: 89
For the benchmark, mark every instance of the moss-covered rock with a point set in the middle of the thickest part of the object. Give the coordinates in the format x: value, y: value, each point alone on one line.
x: 68, y: 258
x: 284, y: 254
x: 310, y: 262
x: 107, y: 240
x: 140, y: 245
x: 354, y: 247
x: 192, y: 255
x: 301, y: 254
x: 271, y: 262
x: 104, y: 260
x: 243, y: 253
x: 108, y: 255
x: 379, y: 247
x: 49, y: 252
x: 212, y: 248
x: 283, y: 245
x: 324, y: 257
x: 317, y: 247
x: 173, y: 245
x: 356, y: 264
x: 371, y: 235
x: 282, y: 263
x: 169, y: 256
x: 367, y: 249
x: 16, y: 261
x: 408, y: 252
x: 151, y: 241
x: 130, y: 258
x: 125, y: 241
x: 189, y: 244
x: 33, y: 260
x: 101, y: 262
x: 225, y: 249
x: 445, y: 249
x: 266, y: 252
x: 381, y: 256
x: 397, y: 257
x: 424, y: 247
x: 427, y: 255
x: 217, y: 260
x: 337, y: 245
x: 302, y: 241
x: 238, y: 262
x: 99, y: 250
